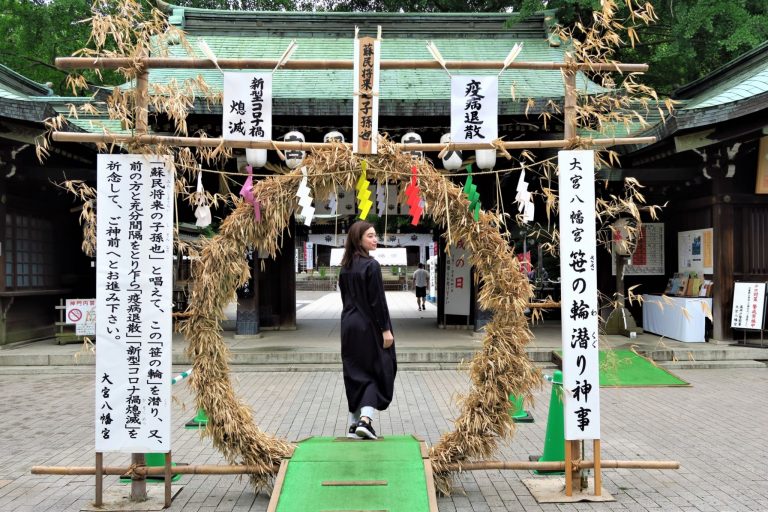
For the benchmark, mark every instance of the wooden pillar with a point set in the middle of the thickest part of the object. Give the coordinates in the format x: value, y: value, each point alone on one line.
x: 138, y: 483
x: 99, y: 498
x: 723, y: 250
x: 141, y: 112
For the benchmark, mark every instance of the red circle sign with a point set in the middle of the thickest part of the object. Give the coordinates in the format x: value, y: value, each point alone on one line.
x: 75, y: 315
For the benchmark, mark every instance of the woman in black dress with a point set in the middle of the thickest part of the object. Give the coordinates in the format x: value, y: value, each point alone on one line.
x: 367, y: 343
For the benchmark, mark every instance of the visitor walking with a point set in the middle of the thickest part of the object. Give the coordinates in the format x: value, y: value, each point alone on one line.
x: 420, y: 280
x: 367, y: 343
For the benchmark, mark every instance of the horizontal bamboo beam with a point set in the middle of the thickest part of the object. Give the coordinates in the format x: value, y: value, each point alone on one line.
x: 560, y: 466
x: 192, y: 63
x: 464, y: 466
x: 543, y: 305
x: 211, y: 142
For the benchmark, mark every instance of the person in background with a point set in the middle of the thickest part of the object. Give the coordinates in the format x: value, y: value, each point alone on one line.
x: 367, y: 343
x: 420, y: 281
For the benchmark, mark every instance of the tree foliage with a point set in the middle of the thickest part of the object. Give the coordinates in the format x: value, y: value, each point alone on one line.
x: 37, y: 31
x: 690, y: 39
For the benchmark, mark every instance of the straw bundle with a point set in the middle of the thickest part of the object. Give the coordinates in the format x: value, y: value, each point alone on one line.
x: 500, y: 368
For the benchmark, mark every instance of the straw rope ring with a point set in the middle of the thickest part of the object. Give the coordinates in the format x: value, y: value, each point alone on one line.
x: 500, y: 366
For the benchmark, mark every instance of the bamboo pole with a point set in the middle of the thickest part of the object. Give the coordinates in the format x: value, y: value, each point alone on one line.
x: 190, y: 63
x: 99, y: 480
x: 168, y: 140
x: 463, y: 466
x: 543, y: 305
x: 597, y: 467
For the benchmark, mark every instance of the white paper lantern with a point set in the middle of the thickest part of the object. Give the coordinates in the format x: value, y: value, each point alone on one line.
x: 486, y: 158
x: 412, y: 138
x: 333, y: 137
x: 452, y: 159
x: 256, y: 158
x: 294, y: 157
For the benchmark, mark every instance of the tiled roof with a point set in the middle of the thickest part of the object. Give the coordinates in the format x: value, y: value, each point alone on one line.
x: 321, y: 36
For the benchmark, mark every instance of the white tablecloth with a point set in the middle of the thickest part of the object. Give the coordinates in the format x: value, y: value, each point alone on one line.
x: 678, y: 318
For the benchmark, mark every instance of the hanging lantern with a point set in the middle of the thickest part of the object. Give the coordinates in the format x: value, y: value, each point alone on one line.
x: 486, y: 158
x: 294, y: 157
x: 256, y: 158
x: 452, y: 159
x: 412, y: 138
x: 333, y: 137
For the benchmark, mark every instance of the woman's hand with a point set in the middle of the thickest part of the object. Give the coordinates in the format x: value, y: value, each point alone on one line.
x: 388, y: 338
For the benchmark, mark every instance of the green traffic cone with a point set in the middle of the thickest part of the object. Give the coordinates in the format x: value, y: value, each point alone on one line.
x: 518, y: 412
x: 153, y: 460
x: 199, y: 421
x: 554, y: 440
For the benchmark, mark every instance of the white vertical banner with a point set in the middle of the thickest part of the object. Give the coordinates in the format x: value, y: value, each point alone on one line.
x: 578, y: 245
x: 457, y: 276
x: 366, y: 95
x: 134, y: 255
x: 474, y: 108
x: 247, y: 106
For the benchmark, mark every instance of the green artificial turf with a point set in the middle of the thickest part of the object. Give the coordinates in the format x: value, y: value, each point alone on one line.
x: 624, y: 368
x: 395, y: 459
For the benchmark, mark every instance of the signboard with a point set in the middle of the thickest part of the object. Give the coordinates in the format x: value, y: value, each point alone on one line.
x: 134, y: 256
x: 648, y: 258
x: 247, y: 106
x: 82, y: 313
x: 694, y: 251
x: 474, y: 108
x: 385, y: 257
x: 366, y: 98
x: 578, y: 245
x: 748, y: 311
x: 457, y: 280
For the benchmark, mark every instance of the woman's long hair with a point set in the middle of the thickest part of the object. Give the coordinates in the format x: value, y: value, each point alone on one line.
x: 354, y: 245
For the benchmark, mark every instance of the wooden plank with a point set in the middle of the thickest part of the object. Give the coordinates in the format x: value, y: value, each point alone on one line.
x: 568, y: 469
x: 431, y: 492
x: 168, y: 479
x: 275, y: 498
x: 598, y: 474
x: 353, y: 483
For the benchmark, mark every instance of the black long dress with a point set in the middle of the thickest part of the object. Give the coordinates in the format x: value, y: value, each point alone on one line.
x: 369, y: 368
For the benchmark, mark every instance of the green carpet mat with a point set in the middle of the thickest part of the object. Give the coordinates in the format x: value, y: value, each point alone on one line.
x: 394, y: 464
x: 624, y: 368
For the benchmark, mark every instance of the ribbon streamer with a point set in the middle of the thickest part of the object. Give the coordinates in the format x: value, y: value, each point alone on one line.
x: 470, y: 189
x: 363, y: 194
x: 412, y: 193
x: 247, y: 193
x: 305, y: 198
x: 381, y: 199
x: 203, y: 211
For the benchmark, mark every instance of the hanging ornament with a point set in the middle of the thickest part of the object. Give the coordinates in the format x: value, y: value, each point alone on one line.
x: 294, y: 157
x: 412, y: 138
x: 470, y: 189
x: 452, y: 159
x: 247, y: 193
x: 363, y: 194
x: 305, y: 199
x: 524, y: 198
x: 412, y: 193
x: 381, y: 199
x: 203, y: 211
x: 333, y: 137
x: 332, y: 203
x: 256, y: 158
x: 486, y: 158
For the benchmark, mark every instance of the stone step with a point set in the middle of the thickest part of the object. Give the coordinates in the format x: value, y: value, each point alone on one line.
x: 708, y: 353
x: 711, y: 365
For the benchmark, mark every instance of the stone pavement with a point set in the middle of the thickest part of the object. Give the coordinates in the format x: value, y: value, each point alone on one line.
x: 314, y: 345
x: 715, y: 428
